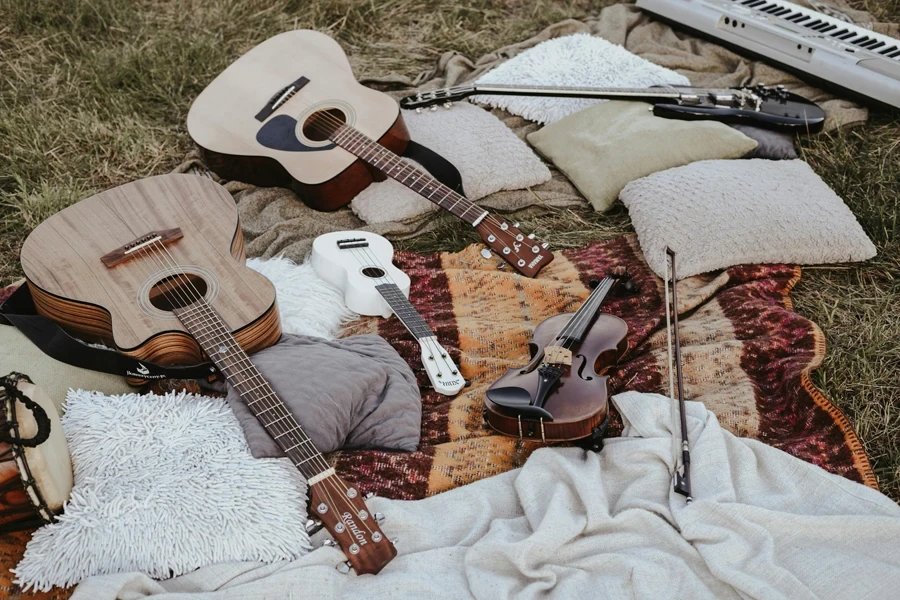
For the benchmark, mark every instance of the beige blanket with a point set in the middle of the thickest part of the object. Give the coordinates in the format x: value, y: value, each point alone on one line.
x: 276, y: 222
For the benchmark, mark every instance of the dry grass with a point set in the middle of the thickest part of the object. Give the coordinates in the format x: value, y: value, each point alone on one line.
x: 95, y: 92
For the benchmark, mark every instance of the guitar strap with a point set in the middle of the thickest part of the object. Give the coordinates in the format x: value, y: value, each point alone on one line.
x: 19, y: 310
x: 439, y: 167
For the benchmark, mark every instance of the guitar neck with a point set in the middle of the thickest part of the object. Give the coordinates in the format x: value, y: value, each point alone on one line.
x: 415, y: 179
x: 405, y: 311
x: 605, y: 93
x: 214, y: 336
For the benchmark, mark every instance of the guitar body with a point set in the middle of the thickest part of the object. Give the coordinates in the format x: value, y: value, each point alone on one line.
x: 120, y: 305
x: 242, y: 137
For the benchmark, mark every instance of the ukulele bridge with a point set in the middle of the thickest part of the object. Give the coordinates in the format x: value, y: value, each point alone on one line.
x: 126, y: 252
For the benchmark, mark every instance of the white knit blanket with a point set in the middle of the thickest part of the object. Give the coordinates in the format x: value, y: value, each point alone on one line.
x: 572, y: 524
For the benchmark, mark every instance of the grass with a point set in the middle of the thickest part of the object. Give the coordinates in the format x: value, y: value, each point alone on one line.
x: 95, y: 92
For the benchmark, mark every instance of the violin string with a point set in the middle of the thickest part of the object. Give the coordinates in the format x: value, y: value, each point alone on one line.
x: 584, y: 314
x: 334, y: 482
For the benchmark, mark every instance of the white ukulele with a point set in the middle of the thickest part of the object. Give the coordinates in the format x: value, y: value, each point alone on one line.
x: 360, y: 264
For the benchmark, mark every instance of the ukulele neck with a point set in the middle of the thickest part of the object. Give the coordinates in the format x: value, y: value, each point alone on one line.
x: 214, y: 336
x: 415, y: 179
x: 405, y: 311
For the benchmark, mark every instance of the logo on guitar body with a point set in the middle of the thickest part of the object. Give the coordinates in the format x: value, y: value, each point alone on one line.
x: 351, y: 525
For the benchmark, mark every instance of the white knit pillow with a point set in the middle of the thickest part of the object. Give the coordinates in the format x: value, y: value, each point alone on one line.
x: 486, y: 152
x: 573, y: 60
x: 164, y: 485
x: 719, y: 213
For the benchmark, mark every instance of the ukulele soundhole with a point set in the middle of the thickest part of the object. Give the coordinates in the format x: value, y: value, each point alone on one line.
x: 373, y: 272
x: 322, y: 123
x: 177, y: 291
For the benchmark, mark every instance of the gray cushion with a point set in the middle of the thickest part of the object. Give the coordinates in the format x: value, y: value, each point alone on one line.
x: 351, y: 393
x: 772, y: 145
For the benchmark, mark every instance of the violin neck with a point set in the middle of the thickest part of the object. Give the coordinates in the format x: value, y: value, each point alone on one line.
x: 578, y: 324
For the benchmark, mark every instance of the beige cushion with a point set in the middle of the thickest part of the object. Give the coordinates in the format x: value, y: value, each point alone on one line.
x: 602, y: 148
x: 719, y: 213
x: 487, y: 154
x: 54, y: 377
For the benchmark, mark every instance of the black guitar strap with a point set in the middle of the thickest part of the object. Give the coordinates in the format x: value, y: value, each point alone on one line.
x: 439, y: 167
x: 19, y: 309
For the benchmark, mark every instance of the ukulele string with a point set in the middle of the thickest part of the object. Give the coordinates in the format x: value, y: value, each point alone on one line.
x: 335, y: 123
x: 335, y: 482
x: 429, y: 341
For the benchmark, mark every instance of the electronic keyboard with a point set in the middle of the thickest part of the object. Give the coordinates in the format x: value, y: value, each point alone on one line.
x: 823, y: 48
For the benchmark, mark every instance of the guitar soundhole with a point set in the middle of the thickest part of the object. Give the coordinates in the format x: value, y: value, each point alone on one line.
x: 322, y: 123
x: 177, y: 291
x: 373, y: 272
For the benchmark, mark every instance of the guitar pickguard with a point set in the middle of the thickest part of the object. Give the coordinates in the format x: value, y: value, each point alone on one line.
x: 280, y: 133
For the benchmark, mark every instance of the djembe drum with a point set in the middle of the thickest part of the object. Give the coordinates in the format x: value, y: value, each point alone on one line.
x: 35, y: 465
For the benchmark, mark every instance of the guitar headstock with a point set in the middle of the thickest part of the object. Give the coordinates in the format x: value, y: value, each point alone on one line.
x: 345, y: 515
x: 434, y: 97
x: 526, y: 254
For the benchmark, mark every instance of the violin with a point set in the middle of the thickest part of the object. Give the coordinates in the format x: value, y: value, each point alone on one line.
x: 562, y: 394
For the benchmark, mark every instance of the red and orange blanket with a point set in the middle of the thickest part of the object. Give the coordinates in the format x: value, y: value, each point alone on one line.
x: 747, y: 357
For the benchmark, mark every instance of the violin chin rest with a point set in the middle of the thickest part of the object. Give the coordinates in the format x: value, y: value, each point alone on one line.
x: 518, y: 400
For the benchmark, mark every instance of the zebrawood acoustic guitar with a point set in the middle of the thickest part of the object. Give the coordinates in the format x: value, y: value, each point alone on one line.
x: 156, y: 268
x: 289, y: 113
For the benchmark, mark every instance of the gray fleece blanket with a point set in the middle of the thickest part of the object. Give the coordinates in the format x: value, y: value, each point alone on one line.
x: 351, y: 393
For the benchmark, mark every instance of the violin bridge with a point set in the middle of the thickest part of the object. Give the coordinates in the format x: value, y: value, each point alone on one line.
x: 557, y: 355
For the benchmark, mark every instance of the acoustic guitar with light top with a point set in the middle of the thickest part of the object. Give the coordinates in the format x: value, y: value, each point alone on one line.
x: 289, y: 113
x: 156, y: 269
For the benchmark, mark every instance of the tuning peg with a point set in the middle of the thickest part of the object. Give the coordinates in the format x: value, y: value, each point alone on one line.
x: 530, y: 236
x: 448, y: 104
x: 516, y: 225
x: 312, y: 526
x: 545, y: 245
x: 486, y: 253
x: 395, y: 541
x: 433, y: 107
x: 369, y: 496
x: 501, y: 265
x: 329, y: 542
x: 419, y: 110
x: 343, y: 567
x: 379, y: 518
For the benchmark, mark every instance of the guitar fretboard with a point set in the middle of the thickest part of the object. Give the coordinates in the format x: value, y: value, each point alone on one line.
x: 207, y: 327
x: 405, y: 311
x: 415, y: 179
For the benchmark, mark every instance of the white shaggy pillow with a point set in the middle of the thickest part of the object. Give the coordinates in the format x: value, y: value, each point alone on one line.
x: 719, y: 213
x: 488, y: 155
x: 307, y: 304
x: 574, y: 60
x: 164, y: 485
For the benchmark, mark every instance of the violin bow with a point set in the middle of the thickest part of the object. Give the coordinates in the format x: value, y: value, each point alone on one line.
x: 682, y: 477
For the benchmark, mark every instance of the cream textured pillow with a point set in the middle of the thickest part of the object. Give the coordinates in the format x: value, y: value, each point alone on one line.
x: 486, y: 152
x: 602, y: 148
x: 573, y: 60
x: 719, y: 213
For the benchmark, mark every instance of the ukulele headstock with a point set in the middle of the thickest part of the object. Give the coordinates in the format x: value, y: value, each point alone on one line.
x: 527, y: 254
x: 345, y: 515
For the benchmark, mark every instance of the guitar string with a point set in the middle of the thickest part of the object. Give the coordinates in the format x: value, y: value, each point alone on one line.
x: 431, y: 342
x: 331, y: 479
x: 312, y: 120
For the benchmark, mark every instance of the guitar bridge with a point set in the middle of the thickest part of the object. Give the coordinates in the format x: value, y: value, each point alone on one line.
x: 127, y: 252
